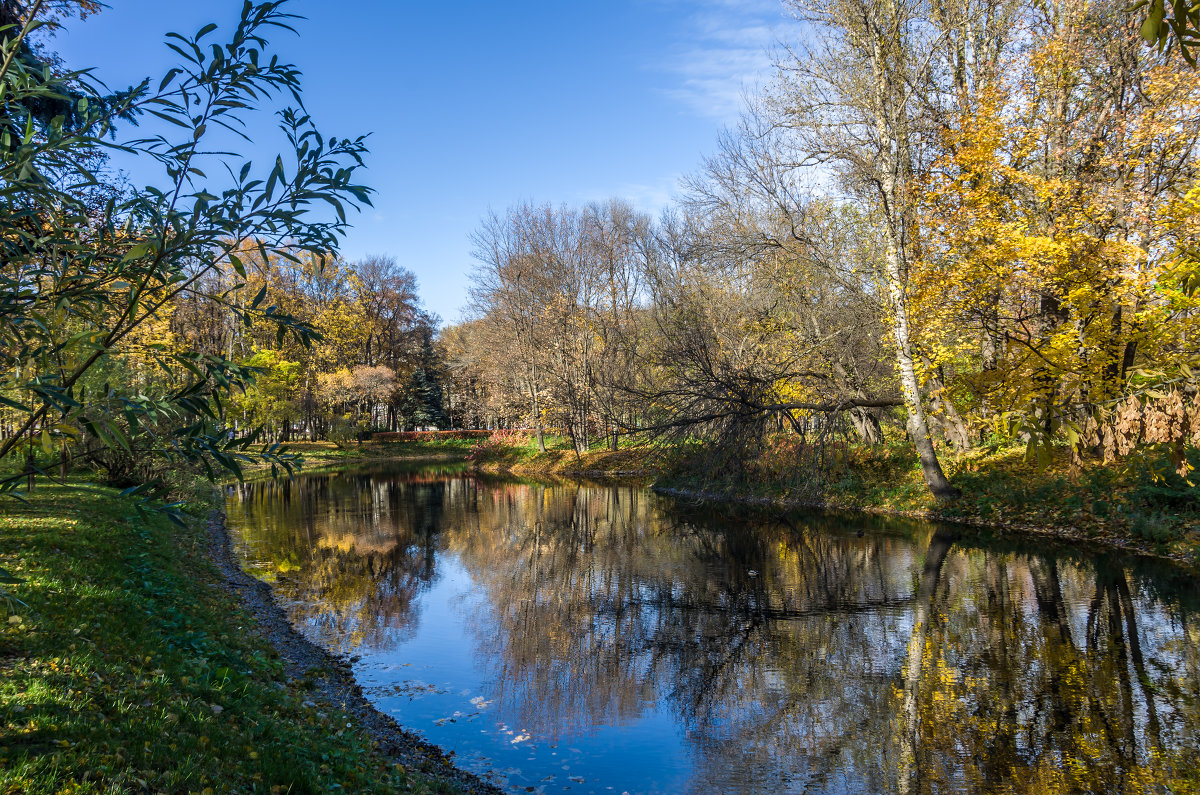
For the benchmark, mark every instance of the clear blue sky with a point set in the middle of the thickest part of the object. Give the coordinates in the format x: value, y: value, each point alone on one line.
x: 474, y: 106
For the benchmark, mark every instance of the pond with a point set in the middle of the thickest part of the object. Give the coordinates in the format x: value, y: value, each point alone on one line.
x: 603, y: 639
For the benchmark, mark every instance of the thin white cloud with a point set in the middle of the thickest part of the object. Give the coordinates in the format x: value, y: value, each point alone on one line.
x: 648, y: 197
x: 652, y: 198
x: 723, y: 52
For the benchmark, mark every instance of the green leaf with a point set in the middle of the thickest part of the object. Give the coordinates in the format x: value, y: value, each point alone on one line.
x: 138, y: 251
x: 1149, y: 29
x: 12, y: 404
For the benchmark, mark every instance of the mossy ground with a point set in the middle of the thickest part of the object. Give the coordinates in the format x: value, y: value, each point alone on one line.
x: 1121, y: 503
x: 128, y: 669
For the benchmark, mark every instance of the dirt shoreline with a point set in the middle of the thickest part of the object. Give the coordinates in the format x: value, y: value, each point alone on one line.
x: 333, y: 685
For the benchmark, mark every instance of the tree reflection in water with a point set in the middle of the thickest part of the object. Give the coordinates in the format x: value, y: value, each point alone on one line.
x: 794, y: 654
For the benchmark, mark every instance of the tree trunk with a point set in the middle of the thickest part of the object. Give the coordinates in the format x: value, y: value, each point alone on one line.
x: 953, y: 426
x: 583, y: 440
x: 918, y: 428
x: 891, y: 128
x: 866, y: 425
x: 537, y: 412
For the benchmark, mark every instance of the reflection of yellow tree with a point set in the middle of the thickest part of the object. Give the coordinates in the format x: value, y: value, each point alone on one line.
x: 350, y: 553
x: 1029, y: 691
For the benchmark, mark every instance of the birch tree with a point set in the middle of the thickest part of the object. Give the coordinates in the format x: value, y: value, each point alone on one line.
x: 848, y: 96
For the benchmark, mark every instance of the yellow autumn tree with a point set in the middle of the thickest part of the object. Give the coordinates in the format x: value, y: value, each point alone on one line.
x: 1056, y: 265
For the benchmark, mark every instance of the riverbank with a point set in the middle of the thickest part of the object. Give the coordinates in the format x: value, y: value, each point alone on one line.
x: 329, y: 677
x: 321, y: 454
x: 1118, y: 506
x: 642, y: 463
x: 128, y: 664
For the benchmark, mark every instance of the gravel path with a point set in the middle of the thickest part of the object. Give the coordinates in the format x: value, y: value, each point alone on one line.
x: 332, y: 678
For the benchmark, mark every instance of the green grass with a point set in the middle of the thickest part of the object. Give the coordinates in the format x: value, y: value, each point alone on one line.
x: 317, y: 454
x: 321, y: 455
x: 127, y: 670
x: 327, y: 451
x: 524, y: 457
x: 420, y: 447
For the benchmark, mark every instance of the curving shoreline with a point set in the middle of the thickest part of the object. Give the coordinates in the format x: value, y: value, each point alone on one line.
x: 1064, y: 534
x: 645, y: 476
x: 331, y: 676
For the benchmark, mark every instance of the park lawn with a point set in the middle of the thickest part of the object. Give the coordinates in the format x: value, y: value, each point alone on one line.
x: 128, y: 669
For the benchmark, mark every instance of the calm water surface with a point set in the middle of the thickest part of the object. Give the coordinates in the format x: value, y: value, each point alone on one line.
x: 602, y: 639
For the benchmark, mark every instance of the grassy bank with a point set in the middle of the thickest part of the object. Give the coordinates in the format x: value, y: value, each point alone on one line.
x: 319, y: 455
x: 520, y: 456
x: 1119, y: 504
x: 349, y: 451
x: 129, y: 669
x: 412, y: 448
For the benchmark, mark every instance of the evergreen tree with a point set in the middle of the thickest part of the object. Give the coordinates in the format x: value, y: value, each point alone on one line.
x: 422, y: 405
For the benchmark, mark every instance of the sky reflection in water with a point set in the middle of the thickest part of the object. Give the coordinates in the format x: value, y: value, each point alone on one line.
x: 602, y: 639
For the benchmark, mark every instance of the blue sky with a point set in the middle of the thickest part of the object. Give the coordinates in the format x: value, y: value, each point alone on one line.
x: 472, y: 106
